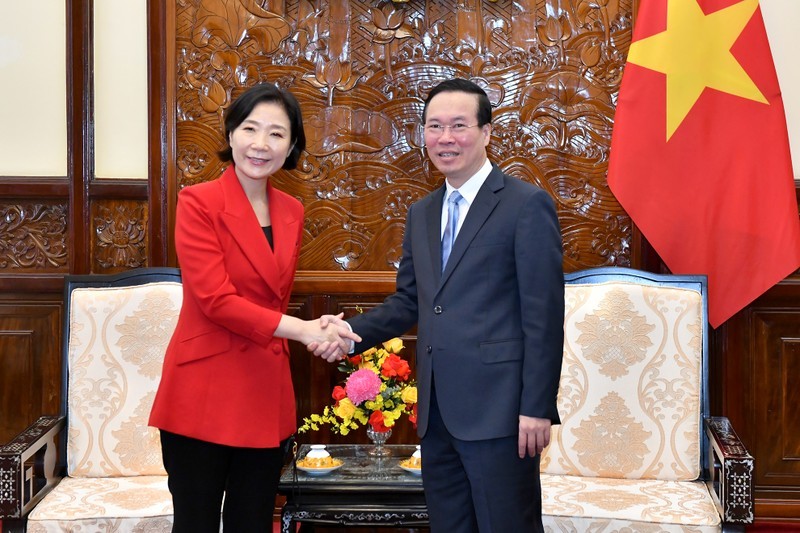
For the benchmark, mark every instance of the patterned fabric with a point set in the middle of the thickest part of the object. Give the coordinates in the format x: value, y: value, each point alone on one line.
x: 629, y: 396
x: 123, y: 504
x: 586, y: 504
x: 118, y: 337
x: 627, y: 454
x: 116, y: 480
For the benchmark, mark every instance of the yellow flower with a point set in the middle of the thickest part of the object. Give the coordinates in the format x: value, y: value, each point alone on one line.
x: 389, y: 417
x: 345, y: 410
x: 374, y: 405
x: 369, y: 364
x: 367, y: 353
x: 392, y: 402
x: 394, y: 345
x: 409, y: 395
x: 361, y: 416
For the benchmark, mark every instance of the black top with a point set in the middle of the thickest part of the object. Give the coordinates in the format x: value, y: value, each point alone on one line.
x: 268, y: 235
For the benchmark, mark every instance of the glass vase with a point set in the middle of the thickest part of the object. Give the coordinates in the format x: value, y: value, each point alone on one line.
x: 378, y: 439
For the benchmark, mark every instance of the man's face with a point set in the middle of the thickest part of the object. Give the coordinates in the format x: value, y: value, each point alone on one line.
x: 455, y: 143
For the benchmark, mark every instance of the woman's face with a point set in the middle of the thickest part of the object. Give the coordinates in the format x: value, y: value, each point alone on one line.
x: 261, y: 143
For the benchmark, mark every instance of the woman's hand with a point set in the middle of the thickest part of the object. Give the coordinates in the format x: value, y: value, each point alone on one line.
x: 330, y: 338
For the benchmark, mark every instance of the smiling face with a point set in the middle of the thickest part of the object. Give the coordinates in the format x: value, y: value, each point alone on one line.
x: 457, y: 155
x: 262, y: 141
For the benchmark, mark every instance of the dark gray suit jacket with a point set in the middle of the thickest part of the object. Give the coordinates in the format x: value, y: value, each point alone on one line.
x: 490, y: 328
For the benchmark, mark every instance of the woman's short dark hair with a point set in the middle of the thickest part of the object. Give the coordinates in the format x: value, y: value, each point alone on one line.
x: 241, y: 108
x: 459, y: 85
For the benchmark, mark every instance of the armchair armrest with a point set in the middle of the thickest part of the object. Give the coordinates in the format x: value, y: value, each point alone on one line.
x: 28, y: 467
x: 731, y: 469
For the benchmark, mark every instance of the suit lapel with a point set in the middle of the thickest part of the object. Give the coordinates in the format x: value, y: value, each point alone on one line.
x: 433, y: 219
x: 285, y: 233
x: 479, y: 211
x: 243, y: 225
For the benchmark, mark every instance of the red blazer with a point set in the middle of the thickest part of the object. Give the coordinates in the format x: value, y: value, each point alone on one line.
x: 226, y: 379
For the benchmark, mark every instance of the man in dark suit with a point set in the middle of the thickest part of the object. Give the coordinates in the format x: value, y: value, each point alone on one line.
x: 490, y: 324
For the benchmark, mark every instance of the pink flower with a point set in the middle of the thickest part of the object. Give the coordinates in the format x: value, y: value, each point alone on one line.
x: 362, y: 385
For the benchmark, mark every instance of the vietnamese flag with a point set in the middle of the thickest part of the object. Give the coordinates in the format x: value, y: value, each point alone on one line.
x: 700, y: 152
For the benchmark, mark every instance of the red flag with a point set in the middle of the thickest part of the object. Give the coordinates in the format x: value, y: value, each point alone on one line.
x: 700, y: 152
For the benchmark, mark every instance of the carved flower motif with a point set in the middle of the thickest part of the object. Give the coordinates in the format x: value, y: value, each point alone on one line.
x: 611, y: 440
x: 615, y: 337
x: 387, y: 25
x: 234, y: 21
x: 334, y: 75
x: 121, y: 237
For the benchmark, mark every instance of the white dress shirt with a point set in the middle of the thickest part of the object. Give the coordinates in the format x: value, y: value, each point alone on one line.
x: 469, y: 190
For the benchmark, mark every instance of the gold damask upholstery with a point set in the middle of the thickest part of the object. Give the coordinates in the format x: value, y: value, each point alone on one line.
x: 116, y: 332
x: 629, y: 453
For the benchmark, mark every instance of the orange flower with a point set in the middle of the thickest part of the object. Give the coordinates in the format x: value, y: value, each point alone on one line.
x: 338, y: 393
x: 355, y: 360
x: 376, y: 421
x: 413, y: 416
x: 395, y: 367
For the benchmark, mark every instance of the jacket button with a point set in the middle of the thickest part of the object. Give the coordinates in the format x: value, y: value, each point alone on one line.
x: 428, y: 349
x: 277, y: 348
x: 437, y: 310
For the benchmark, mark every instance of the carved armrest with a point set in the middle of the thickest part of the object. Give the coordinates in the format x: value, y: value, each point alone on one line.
x: 731, y: 469
x: 28, y: 467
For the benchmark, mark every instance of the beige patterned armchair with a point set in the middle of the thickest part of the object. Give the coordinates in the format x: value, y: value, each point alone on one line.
x: 111, y: 477
x: 636, y: 450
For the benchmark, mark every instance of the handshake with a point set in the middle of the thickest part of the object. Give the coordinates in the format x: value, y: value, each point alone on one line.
x: 329, y: 337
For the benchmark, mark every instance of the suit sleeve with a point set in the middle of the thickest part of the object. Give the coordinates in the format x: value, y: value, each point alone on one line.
x: 206, y: 278
x: 539, y: 262
x: 399, y: 312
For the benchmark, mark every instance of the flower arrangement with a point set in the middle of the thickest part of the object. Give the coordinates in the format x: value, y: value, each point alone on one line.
x: 377, y: 392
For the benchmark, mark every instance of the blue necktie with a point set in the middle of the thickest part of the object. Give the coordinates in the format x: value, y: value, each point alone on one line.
x: 449, y: 236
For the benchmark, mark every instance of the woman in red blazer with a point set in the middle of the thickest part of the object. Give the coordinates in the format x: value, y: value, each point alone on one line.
x: 225, y: 405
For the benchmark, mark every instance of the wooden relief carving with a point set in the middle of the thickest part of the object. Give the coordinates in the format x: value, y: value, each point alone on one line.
x: 119, y: 236
x: 361, y: 71
x: 33, y: 237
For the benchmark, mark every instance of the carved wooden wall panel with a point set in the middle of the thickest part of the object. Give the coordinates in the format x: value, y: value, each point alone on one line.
x: 361, y: 70
x: 757, y: 360
x: 119, y: 235
x: 33, y: 237
x: 775, y: 416
x: 30, y: 340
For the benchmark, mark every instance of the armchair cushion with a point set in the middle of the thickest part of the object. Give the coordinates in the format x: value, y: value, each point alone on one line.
x: 117, y: 331
x: 630, y: 387
x: 574, y: 503
x: 118, y: 337
x: 136, y: 503
x: 631, y: 453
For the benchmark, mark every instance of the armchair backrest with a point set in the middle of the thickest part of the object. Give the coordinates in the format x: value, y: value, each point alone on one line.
x: 633, y: 381
x: 118, y: 328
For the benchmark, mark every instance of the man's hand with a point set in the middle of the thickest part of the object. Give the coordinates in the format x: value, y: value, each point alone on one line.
x: 339, y: 338
x: 534, y: 435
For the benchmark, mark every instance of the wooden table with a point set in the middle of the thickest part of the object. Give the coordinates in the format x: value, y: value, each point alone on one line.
x: 365, y: 491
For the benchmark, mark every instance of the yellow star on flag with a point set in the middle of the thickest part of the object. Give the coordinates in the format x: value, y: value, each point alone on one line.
x: 695, y: 52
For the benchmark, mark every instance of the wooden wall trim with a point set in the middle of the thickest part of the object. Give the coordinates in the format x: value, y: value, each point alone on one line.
x: 162, y: 105
x: 80, y: 162
x: 332, y: 282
